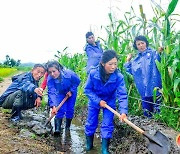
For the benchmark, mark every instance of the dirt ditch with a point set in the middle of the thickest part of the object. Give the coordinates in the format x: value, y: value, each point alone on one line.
x: 29, y: 135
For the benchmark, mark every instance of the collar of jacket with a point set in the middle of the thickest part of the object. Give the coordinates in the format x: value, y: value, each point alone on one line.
x: 90, y: 45
x: 65, y: 74
x: 111, y: 79
x: 140, y: 54
x: 144, y: 52
x: 32, y: 78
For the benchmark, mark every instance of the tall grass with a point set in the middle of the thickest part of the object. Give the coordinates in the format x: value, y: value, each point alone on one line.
x: 120, y: 35
x: 159, y: 31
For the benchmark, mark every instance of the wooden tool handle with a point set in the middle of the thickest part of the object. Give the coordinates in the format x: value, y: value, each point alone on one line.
x: 125, y: 120
x: 58, y: 107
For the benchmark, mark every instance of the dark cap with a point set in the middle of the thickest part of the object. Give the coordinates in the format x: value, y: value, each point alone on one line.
x: 89, y: 34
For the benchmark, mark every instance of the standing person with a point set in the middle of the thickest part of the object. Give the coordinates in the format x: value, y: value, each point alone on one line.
x: 61, y: 82
x: 146, y: 75
x: 93, y: 51
x: 104, y: 84
x: 24, y: 92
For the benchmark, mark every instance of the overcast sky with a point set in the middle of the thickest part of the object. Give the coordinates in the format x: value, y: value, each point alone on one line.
x: 33, y: 30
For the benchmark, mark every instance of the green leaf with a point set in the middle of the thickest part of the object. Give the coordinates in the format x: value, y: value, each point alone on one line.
x: 171, y: 7
x: 176, y: 83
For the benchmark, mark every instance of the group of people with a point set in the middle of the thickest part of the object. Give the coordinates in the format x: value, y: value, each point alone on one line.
x: 105, y: 84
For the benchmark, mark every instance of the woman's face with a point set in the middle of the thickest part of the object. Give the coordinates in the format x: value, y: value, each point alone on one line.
x: 52, y: 71
x: 110, y: 66
x: 141, y: 45
x: 91, y: 39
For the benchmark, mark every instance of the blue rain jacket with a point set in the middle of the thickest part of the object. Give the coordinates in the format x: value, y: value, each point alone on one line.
x: 96, y: 91
x: 145, y: 72
x: 27, y: 85
x: 114, y: 88
x: 94, y: 54
x: 58, y: 88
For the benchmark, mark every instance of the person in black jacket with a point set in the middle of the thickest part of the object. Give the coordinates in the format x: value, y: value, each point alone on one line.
x: 24, y: 92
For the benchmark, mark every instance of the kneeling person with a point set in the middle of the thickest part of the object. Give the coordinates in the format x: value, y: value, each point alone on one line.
x: 23, y: 93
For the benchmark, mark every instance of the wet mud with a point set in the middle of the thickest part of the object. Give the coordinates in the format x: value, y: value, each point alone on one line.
x: 31, y: 136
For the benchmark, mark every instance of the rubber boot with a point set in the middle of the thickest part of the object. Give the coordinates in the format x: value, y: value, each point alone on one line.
x: 57, y: 123
x: 105, y: 146
x: 16, y: 114
x: 89, y: 142
x: 68, y: 123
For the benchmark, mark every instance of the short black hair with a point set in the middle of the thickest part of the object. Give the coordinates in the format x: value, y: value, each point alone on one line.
x: 140, y: 38
x: 89, y: 34
x: 108, y: 55
x: 39, y: 65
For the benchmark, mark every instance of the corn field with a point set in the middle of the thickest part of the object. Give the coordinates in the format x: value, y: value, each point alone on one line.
x: 120, y: 35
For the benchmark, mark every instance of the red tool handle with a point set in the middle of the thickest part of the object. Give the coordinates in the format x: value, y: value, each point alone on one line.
x: 58, y: 107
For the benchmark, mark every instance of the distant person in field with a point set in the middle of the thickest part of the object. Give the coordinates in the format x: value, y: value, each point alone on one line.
x: 93, y: 51
x: 146, y: 74
x: 24, y: 92
x: 60, y: 83
x: 104, y: 85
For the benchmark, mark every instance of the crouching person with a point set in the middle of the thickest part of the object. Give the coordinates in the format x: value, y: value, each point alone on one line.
x: 61, y: 82
x: 23, y: 93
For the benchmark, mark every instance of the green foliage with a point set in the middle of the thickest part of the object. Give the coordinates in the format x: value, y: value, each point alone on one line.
x: 33, y: 136
x: 170, y: 117
x: 4, y: 72
x: 1, y: 79
x: 11, y: 62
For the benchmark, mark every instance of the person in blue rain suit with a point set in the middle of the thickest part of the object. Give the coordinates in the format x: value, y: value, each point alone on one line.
x: 61, y: 82
x: 145, y: 73
x: 24, y: 92
x: 93, y: 51
x: 105, y: 83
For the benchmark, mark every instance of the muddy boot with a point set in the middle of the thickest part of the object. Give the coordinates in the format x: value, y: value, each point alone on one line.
x: 68, y: 123
x: 89, y: 142
x: 105, y: 146
x: 57, y: 123
x: 16, y: 114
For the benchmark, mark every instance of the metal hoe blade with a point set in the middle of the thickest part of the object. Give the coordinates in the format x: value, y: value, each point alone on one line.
x: 156, y: 148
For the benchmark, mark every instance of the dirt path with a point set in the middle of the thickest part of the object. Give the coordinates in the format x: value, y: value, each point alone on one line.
x: 4, y: 84
x: 11, y: 139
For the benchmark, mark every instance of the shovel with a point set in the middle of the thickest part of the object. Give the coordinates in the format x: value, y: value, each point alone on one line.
x: 57, y: 109
x: 158, y: 144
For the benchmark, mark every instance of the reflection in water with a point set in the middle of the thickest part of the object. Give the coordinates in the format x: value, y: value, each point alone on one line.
x: 73, y: 141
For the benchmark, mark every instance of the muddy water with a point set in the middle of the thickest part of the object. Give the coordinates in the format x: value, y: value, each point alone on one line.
x: 74, y: 141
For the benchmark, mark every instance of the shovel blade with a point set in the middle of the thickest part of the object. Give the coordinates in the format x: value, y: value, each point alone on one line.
x: 156, y: 148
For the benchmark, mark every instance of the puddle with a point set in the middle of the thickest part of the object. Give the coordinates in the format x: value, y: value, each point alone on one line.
x: 74, y: 141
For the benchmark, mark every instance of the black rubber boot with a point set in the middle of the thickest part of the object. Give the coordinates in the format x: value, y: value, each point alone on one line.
x: 16, y: 114
x: 57, y: 122
x: 105, y: 146
x: 89, y: 142
x: 68, y: 123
